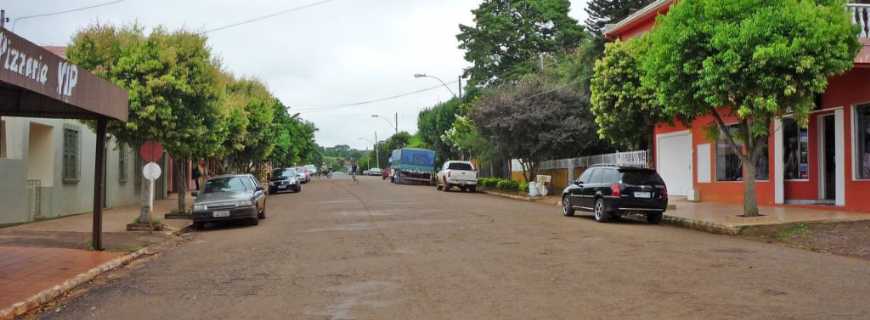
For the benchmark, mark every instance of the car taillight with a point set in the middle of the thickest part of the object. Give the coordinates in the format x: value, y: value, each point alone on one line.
x: 664, y: 194
x: 615, y: 190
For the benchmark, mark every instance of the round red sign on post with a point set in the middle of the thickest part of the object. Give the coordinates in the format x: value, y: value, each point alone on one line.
x: 151, y: 151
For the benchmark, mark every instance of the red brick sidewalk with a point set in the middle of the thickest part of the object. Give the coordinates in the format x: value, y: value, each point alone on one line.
x: 29, y: 270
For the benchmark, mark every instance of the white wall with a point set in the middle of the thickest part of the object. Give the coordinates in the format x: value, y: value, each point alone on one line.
x: 60, y: 198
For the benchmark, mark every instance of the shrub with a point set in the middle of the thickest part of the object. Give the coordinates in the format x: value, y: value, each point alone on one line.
x: 488, y: 182
x: 523, y: 186
x: 508, y: 185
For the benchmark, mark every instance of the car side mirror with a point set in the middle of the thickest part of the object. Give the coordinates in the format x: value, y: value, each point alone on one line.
x: 578, y: 182
x: 194, y: 194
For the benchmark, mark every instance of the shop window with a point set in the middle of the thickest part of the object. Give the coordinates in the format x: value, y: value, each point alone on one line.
x: 728, y: 164
x: 122, y: 163
x: 796, y: 140
x: 70, y: 155
x: 862, y: 135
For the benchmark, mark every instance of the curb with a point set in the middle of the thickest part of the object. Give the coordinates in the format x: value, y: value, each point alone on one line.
x: 699, y: 225
x: 47, y: 295
x: 705, y: 226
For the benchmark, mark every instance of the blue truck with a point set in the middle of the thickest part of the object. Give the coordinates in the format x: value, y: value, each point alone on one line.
x: 412, y: 165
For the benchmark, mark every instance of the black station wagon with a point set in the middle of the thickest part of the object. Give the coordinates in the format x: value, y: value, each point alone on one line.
x: 614, y: 191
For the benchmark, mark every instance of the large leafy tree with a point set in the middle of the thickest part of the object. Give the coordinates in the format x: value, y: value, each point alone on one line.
x: 174, y: 87
x: 509, y: 34
x: 536, y: 119
x: 750, y: 59
x: 433, y: 122
x: 625, y: 110
x: 604, y: 12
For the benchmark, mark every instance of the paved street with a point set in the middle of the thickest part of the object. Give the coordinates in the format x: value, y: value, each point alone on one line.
x: 373, y: 250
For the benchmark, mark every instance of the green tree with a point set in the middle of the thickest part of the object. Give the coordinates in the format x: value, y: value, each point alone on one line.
x: 625, y: 110
x: 433, y: 122
x: 174, y: 87
x: 509, y: 35
x: 759, y: 58
x: 604, y: 12
x: 536, y: 119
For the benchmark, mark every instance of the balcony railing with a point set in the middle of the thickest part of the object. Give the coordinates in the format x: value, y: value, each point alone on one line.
x: 861, y: 18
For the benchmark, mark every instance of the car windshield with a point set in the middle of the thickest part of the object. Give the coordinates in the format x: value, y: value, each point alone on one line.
x: 459, y: 166
x: 227, y: 184
x: 283, y: 173
x: 641, y: 177
x: 418, y: 158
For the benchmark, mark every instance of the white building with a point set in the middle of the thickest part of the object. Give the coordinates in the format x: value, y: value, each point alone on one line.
x: 47, y: 170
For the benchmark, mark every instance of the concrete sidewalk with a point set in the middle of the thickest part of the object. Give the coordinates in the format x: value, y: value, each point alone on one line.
x: 726, y: 218
x: 38, y: 256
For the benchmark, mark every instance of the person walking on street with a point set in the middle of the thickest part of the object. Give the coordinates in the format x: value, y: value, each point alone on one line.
x: 353, y: 172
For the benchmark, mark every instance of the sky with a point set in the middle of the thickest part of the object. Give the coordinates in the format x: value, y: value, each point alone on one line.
x: 315, y: 59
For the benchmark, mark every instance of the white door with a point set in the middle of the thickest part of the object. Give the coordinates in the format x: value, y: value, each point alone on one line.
x: 674, y: 161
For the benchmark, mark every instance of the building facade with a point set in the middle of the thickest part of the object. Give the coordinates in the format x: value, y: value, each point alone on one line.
x: 826, y: 163
x: 46, y: 165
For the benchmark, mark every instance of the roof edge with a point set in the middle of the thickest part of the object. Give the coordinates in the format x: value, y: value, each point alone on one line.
x: 653, y: 8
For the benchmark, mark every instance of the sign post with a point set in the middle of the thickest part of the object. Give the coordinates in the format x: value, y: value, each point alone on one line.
x: 151, y: 172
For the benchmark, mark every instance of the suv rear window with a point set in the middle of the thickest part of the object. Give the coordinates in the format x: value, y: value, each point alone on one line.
x: 459, y: 166
x: 641, y: 177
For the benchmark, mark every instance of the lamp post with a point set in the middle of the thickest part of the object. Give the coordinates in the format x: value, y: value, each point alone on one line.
x: 377, y: 153
x: 423, y: 75
x: 388, y: 121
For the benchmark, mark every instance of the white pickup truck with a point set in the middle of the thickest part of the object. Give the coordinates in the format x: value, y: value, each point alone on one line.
x: 460, y: 174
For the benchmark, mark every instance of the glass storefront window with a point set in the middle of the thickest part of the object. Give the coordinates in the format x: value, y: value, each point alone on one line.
x: 862, y: 135
x: 796, y: 140
x: 728, y: 164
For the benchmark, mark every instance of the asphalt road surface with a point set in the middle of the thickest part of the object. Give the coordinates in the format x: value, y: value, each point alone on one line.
x: 374, y: 250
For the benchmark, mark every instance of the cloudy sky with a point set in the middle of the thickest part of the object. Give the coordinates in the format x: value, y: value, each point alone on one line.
x: 315, y: 60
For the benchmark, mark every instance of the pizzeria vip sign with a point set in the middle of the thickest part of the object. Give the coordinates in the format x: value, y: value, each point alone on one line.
x: 28, y: 66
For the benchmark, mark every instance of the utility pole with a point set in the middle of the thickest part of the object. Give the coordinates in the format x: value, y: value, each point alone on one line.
x: 460, y: 88
x: 397, y: 123
x: 377, y: 153
x: 3, y: 19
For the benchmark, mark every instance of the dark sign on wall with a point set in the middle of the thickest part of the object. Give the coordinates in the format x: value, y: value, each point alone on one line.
x: 37, y: 82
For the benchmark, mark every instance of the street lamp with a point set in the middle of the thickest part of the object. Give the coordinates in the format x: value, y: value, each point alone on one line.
x: 423, y: 75
x: 388, y: 121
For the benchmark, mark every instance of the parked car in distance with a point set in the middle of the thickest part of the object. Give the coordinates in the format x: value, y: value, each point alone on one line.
x: 374, y: 172
x: 284, y: 179
x: 229, y: 197
x: 304, y: 174
x: 460, y: 174
x: 614, y: 191
x: 312, y: 169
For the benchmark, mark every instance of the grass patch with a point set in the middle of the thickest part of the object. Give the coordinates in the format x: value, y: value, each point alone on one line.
x: 792, y: 232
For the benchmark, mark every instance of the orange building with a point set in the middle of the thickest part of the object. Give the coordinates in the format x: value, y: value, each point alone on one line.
x: 827, y: 163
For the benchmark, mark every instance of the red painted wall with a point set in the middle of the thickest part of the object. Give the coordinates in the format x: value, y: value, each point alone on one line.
x: 848, y: 90
x: 716, y: 191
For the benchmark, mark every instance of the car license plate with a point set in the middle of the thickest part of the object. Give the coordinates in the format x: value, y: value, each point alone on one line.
x: 645, y: 195
x: 282, y: 187
x: 221, y: 214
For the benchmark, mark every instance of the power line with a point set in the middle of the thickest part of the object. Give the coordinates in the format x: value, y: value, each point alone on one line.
x: 314, y: 108
x: 65, y: 11
x: 271, y: 15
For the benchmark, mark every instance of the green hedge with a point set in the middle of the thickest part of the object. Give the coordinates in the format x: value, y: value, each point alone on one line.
x: 504, y: 184
x: 508, y: 185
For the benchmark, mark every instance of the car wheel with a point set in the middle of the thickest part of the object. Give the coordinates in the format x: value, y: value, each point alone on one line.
x: 567, y: 209
x: 600, y: 211
x: 262, y: 214
x: 446, y: 188
x: 472, y: 189
x: 654, y: 218
x: 437, y: 186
